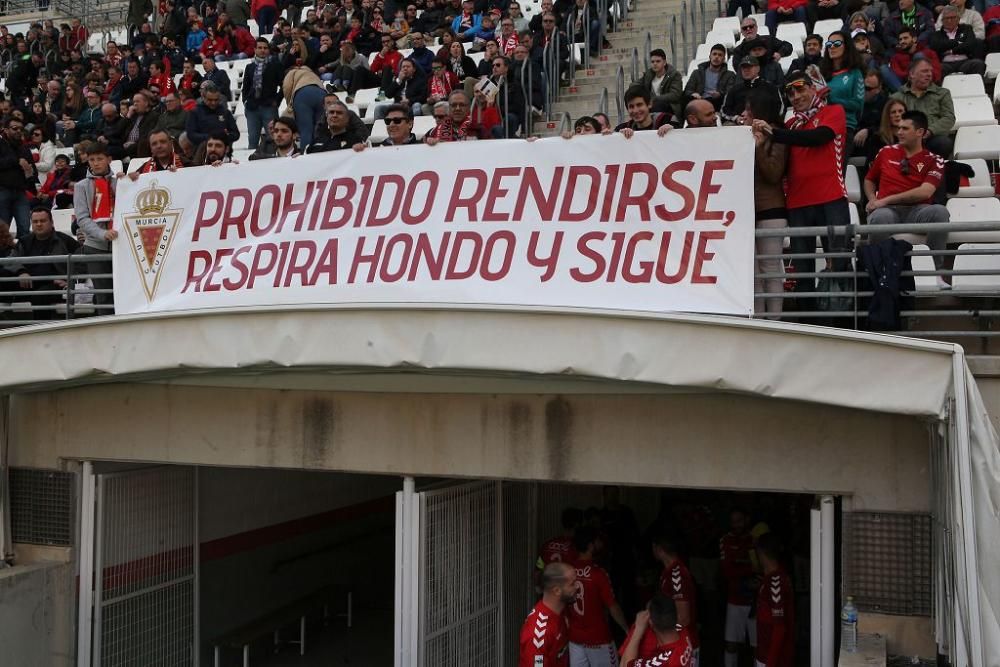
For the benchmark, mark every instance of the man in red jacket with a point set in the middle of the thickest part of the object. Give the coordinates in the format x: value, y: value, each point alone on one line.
x: 895, y: 72
x: 783, y: 11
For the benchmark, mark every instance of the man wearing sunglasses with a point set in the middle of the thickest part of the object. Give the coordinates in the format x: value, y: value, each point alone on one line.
x: 817, y: 196
x: 776, y: 48
x: 902, y: 180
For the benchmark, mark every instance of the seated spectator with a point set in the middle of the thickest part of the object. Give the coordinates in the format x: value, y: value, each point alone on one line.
x: 173, y: 118
x: 409, y: 87
x: 386, y: 62
x: 966, y: 16
x: 57, y: 191
x: 478, y: 36
x: 341, y: 135
x: 713, y: 79
x: 113, y: 132
x: 922, y: 94
x: 908, y: 15
x: 700, y: 113
x: 215, y: 46
x: 901, y: 182
x: 662, y: 82
x: 812, y: 55
x: 776, y: 48
x: 214, y: 151
x: 324, y: 59
x: 466, y: 21
x: 43, y: 150
x: 43, y: 241
x: 770, y: 69
x: 520, y: 21
x: 321, y: 130
x: 462, y: 65
x: 421, y: 55
x: 535, y: 24
x: 871, y: 112
x: 841, y: 67
x: 820, y: 10
x: 141, y: 120
x: 216, y: 77
x: 441, y: 83
x: 992, y: 21
x: 195, y: 38
x: 188, y: 101
x: 284, y: 135
x: 361, y: 35
x: 190, y: 78
x: 531, y: 81
x: 783, y: 11
x: 956, y: 45
x: 399, y: 127
x: 402, y: 23
x: 641, y: 116
x: 348, y: 73
x: 862, y: 44
x: 485, y: 67
x: 211, y: 116
x: 735, y: 100
x: 862, y: 21
x: 548, y: 33
x: 163, y: 156
x: 507, y: 39
x: 907, y: 50
x: 885, y: 135
x: 452, y: 118
x: 133, y: 81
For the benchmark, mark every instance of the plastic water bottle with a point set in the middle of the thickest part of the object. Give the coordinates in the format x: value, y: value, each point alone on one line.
x: 849, y: 626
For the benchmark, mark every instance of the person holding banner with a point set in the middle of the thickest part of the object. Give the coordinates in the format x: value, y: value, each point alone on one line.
x: 399, y: 126
x: 342, y: 135
x: 94, y: 205
x: 641, y: 114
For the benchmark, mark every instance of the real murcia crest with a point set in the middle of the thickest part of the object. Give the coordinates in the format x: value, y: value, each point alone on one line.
x: 150, y: 230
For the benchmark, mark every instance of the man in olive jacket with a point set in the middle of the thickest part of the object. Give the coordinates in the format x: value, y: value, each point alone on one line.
x: 922, y: 94
x: 664, y: 84
x: 712, y: 80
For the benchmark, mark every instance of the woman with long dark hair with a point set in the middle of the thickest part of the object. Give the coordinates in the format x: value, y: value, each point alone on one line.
x: 842, y: 68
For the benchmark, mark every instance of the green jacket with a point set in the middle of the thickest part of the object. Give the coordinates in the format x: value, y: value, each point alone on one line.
x: 935, y: 102
x: 667, y: 97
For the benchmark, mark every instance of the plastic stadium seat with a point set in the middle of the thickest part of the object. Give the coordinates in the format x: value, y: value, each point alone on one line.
x: 982, y: 141
x: 692, y: 66
x: 478, y: 57
x: 704, y: 50
x: 759, y: 18
x: 974, y: 209
x: 977, y: 263
x: 923, y: 263
x: 365, y: 97
x: 723, y: 23
x: 825, y: 27
x: 63, y: 220
x: 979, y: 185
x: 964, y: 85
x: 853, y: 210
x: 242, y: 154
x: 117, y: 167
x: 971, y: 111
x: 853, y: 184
x: 135, y: 163
x: 792, y: 32
x: 724, y: 38
x: 992, y: 65
x: 786, y: 63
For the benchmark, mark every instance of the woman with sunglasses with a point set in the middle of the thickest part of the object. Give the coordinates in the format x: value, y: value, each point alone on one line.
x: 841, y: 67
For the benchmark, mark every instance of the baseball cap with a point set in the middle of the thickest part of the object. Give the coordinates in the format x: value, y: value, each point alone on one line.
x: 858, y: 31
x: 796, y: 77
x: 749, y: 61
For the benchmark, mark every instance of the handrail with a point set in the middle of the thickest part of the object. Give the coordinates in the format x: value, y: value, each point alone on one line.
x: 648, y: 47
x: 602, y: 104
x: 565, y: 123
x: 620, y: 94
x: 673, y: 40
x: 602, y: 17
x: 684, y: 31
x: 506, y: 107
x: 571, y: 43
x: 635, y: 64
x: 586, y: 36
x: 552, y: 75
x: 526, y: 93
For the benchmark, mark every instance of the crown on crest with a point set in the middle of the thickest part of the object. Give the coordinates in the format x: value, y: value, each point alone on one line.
x: 152, y: 200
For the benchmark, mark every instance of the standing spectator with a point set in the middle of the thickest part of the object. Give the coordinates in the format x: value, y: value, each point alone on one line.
x: 15, y: 170
x: 816, y: 194
x: 160, y: 80
x: 841, y: 67
x: 509, y: 100
x: 966, y: 16
x: 735, y: 101
x: 43, y: 241
x: 956, y: 45
x: 217, y: 77
x: 173, y: 118
x: 211, y: 116
x: 238, y: 11
x: 922, y: 94
x: 663, y: 83
x: 908, y: 15
x: 94, y: 203
x: 57, y: 191
x: 284, y: 134
x: 784, y: 11
x: 264, y: 13
x: 770, y: 161
x: 713, y: 79
x: 303, y: 92
x: 261, y: 91
x: 585, y: 10
x: 813, y: 54
x: 901, y: 182
x: 908, y: 50
x: 190, y: 79
x: 462, y: 65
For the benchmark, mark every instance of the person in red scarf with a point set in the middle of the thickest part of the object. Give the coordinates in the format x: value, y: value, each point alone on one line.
x: 455, y: 126
x: 58, y: 187
x: 164, y: 157
x: 190, y: 79
x: 93, y: 204
x: 215, y: 46
x: 159, y: 79
x: 442, y: 82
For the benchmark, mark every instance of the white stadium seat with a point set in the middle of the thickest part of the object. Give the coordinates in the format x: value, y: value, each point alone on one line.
x: 135, y: 163
x: 992, y: 65
x: 977, y: 263
x: 853, y: 182
x: 825, y: 27
x: 974, y: 209
x: 979, y: 184
x: 982, y: 141
x: 923, y: 263
x: 792, y: 32
x: 723, y: 23
x: 63, y: 220
x: 964, y: 85
x: 724, y: 38
x: 971, y: 111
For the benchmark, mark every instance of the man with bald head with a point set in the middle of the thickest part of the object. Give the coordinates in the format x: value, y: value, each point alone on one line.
x: 700, y: 113
x: 544, y: 638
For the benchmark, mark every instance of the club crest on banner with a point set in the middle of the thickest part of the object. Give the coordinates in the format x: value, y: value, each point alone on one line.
x: 150, y: 230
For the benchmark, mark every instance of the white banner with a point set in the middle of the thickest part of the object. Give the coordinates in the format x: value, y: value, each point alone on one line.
x: 647, y: 224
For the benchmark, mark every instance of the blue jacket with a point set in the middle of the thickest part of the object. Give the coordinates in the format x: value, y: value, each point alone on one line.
x: 194, y: 40
x: 457, y: 23
x: 423, y: 57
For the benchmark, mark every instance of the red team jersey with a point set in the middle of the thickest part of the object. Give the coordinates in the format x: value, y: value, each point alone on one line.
x: 544, y: 639
x: 588, y: 624
x: 776, y: 607
x: 887, y: 172
x: 675, y: 654
x: 815, y: 173
x: 557, y: 550
x: 734, y: 555
x: 677, y: 583
x: 647, y: 645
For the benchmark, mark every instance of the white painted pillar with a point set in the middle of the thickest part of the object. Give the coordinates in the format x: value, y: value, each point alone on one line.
x: 822, y: 586
x: 86, y: 564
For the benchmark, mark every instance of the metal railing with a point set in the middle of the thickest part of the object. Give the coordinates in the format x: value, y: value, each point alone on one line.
x: 602, y: 104
x: 527, y: 92
x: 565, y: 123
x: 571, y: 43
x: 647, y: 47
x: 635, y: 64
x: 26, y: 299
x: 620, y: 93
x: 673, y: 40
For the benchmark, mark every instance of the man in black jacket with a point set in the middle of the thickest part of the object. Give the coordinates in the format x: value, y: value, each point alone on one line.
x: 342, y: 135
x: 736, y: 99
x: 261, y: 91
x: 16, y: 167
x: 43, y: 241
x: 409, y: 88
x: 957, y: 46
x: 217, y: 77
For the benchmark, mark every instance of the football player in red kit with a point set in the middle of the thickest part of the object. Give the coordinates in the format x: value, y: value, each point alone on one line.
x: 735, y: 549
x: 544, y: 640
x: 560, y: 548
x: 673, y: 647
x: 677, y: 584
x: 591, y: 643
x: 775, y: 609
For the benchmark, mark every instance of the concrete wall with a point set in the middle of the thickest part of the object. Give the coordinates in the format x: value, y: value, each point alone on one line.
x: 37, y: 615
x: 697, y: 440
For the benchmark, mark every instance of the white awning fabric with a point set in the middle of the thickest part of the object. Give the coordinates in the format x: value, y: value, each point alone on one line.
x: 819, y: 365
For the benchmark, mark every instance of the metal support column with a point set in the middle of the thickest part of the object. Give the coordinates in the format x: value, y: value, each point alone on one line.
x: 822, y: 587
